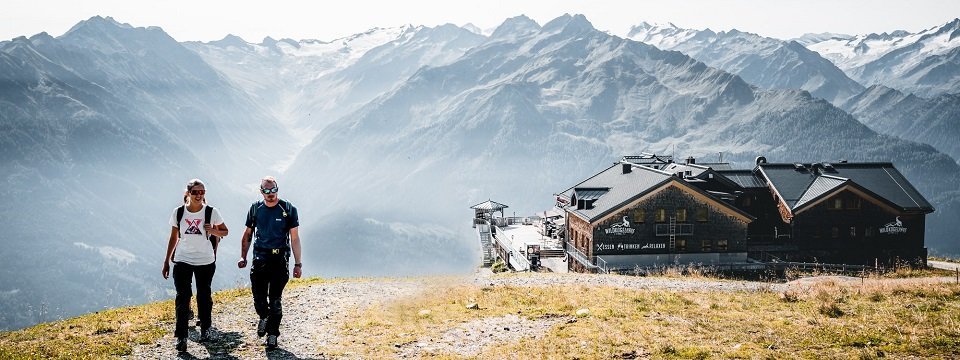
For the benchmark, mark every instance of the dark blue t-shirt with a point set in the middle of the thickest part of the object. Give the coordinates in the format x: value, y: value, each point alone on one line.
x: 271, y: 225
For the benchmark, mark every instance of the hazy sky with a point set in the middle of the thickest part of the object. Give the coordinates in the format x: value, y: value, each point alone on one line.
x: 324, y: 20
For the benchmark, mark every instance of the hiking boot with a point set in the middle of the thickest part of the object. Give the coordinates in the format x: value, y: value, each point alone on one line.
x: 182, y: 344
x: 204, y: 335
x: 262, y: 327
x: 271, y: 342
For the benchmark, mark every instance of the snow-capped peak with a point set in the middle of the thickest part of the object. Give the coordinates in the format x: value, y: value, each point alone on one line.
x: 812, y: 38
x: 664, y: 36
x: 853, y: 51
x: 353, y: 46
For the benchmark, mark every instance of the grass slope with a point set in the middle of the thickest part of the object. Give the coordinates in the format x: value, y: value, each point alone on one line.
x: 832, y: 319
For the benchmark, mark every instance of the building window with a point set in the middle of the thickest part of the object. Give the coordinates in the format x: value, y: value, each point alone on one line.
x: 722, y: 245
x: 639, y: 215
x: 870, y: 231
x: 661, y: 215
x: 816, y: 233
x: 853, y: 232
x: 834, y: 232
x: 681, y: 244
x: 682, y: 215
x: 702, y: 214
x: 706, y: 245
x: 747, y: 200
x: 836, y: 203
x: 853, y: 203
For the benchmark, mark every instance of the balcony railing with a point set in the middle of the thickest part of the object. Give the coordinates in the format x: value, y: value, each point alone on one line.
x: 681, y: 229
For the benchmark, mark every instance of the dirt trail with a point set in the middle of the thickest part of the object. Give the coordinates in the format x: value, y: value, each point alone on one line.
x: 313, y: 314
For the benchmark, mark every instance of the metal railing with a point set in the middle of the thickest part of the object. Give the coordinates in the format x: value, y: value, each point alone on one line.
x: 512, y: 220
x: 513, y: 258
x: 602, y: 265
x: 681, y: 229
x: 585, y: 260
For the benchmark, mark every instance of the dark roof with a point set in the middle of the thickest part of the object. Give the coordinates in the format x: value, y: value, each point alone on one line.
x: 747, y: 179
x: 489, y: 205
x: 798, y: 186
x: 694, y: 169
x: 647, y: 158
x: 717, y: 166
x: 589, y: 193
x: 819, y: 187
x: 624, y: 188
x: 885, y: 180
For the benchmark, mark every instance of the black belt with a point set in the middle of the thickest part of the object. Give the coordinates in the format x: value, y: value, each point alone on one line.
x: 265, y: 251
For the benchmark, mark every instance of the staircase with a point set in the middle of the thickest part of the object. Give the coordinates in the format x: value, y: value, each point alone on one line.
x: 486, y: 243
x: 545, y: 253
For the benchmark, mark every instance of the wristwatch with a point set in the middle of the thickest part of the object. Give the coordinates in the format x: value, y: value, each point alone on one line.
x: 298, y: 265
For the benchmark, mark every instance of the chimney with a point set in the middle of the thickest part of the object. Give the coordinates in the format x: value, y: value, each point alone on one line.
x: 627, y: 168
x: 691, y: 160
x: 816, y: 169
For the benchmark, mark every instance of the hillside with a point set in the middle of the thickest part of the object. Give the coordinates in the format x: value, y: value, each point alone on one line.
x: 534, y: 315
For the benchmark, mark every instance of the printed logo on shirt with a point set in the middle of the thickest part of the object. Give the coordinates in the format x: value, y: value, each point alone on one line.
x: 278, y: 220
x: 193, y: 226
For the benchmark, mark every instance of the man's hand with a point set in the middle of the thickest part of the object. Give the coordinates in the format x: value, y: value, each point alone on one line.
x: 166, y: 269
x: 297, y: 271
x: 242, y: 263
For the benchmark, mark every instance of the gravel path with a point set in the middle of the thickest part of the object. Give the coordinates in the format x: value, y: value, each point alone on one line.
x: 624, y: 281
x: 312, y: 317
x: 315, y: 313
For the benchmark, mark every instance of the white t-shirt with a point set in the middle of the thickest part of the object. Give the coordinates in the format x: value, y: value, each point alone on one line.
x: 194, y: 247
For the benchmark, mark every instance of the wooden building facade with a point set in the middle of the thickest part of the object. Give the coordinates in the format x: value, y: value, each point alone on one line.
x: 632, y: 216
x: 663, y: 213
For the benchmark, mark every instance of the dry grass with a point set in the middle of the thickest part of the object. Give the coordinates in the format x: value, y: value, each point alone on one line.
x: 827, y: 319
x: 823, y: 320
x: 698, y: 271
x: 104, y: 334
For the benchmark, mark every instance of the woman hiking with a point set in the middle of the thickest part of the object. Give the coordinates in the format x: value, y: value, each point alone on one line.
x: 194, y: 256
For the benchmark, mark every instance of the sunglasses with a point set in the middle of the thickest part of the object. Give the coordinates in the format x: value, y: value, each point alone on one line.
x: 198, y: 192
x: 270, y: 191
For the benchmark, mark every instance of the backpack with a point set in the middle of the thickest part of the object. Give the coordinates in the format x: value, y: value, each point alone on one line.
x: 207, y: 213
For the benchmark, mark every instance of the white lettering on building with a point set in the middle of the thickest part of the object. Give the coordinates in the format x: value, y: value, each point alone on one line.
x: 622, y: 246
x: 894, y: 228
x: 620, y: 228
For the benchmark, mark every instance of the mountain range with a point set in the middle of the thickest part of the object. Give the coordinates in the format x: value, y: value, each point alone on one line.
x: 833, y: 67
x: 935, y: 121
x: 384, y: 139
x: 765, y: 62
x: 922, y: 63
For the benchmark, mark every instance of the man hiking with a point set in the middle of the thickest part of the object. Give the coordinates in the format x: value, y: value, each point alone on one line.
x: 276, y: 223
